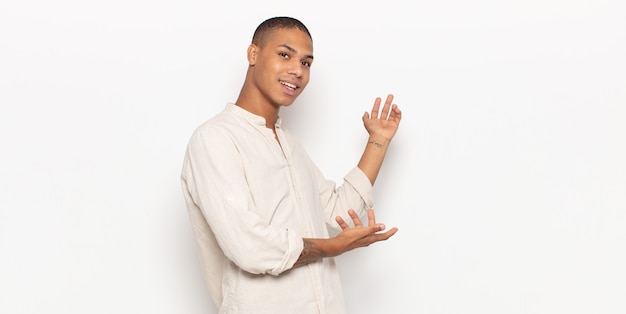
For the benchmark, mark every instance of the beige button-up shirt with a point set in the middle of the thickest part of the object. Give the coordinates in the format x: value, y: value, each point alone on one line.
x: 251, y: 201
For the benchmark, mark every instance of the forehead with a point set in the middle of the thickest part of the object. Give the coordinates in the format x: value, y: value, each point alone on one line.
x: 292, y: 37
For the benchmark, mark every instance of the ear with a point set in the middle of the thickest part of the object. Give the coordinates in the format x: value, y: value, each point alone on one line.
x: 253, y: 50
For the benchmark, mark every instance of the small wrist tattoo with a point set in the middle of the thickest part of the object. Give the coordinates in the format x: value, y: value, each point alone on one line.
x: 378, y: 145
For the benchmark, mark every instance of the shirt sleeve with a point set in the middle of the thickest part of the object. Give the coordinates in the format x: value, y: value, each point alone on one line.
x: 215, y: 180
x: 356, y: 192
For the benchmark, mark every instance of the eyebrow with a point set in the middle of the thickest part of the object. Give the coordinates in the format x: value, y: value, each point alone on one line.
x: 294, y: 50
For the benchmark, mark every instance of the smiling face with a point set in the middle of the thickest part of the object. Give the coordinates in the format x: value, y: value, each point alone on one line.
x: 280, y: 66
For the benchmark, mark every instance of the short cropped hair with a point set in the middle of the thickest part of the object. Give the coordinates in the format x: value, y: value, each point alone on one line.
x: 268, y: 26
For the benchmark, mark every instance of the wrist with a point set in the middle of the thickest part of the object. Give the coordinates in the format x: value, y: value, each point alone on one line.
x: 378, y: 140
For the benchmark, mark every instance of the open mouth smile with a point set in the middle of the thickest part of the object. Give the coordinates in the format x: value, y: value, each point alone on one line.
x: 289, y: 85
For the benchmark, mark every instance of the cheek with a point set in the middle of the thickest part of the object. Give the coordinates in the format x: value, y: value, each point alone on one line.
x: 305, y: 78
x: 272, y: 64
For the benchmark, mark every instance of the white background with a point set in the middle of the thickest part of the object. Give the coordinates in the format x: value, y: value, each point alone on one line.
x: 507, y: 178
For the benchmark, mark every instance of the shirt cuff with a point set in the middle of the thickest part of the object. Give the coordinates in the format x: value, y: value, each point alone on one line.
x: 296, y: 245
x: 357, y: 178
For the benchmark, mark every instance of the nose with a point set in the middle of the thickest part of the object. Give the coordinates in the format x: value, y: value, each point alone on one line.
x: 295, y: 68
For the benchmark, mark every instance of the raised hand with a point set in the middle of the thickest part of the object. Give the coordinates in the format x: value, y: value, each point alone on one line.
x: 384, y: 123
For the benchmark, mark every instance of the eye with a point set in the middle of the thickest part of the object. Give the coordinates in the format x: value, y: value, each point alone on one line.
x: 284, y: 55
x: 306, y: 64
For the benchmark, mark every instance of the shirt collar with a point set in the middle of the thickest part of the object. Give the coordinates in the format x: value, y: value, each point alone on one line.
x: 249, y: 116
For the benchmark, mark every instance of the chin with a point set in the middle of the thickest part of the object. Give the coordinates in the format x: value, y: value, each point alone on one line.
x: 286, y: 102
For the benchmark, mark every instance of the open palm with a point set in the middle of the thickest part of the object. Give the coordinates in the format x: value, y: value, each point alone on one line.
x: 384, y: 123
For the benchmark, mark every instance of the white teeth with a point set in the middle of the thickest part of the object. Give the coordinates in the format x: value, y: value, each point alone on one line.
x: 292, y: 86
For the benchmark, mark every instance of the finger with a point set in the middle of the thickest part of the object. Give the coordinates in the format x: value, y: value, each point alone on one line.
x: 342, y: 223
x: 376, y: 237
x: 396, y: 113
x: 366, y: 116
x: 355, y: 218
x: 386, y: 107
x: 375, y: 108
x: 386, y: 235
x: 389, y: 98
x: 371, y: 218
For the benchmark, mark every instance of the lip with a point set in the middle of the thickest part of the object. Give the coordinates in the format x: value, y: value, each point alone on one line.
x: 288, y: 90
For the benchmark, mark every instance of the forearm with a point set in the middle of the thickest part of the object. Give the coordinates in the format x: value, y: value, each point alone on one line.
x: 372, y: 159
x: 348, y: 239
x: 314, y: 250
x: 382, y: 126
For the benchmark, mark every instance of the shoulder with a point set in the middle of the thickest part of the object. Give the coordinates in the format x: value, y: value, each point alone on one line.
x: 216, y: 130
x: 221, y: 124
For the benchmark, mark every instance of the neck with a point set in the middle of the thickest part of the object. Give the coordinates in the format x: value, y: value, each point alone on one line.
x: 258, y: 105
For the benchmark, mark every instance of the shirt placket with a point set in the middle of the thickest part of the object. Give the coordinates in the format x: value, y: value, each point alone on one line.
x: 301, y: 216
